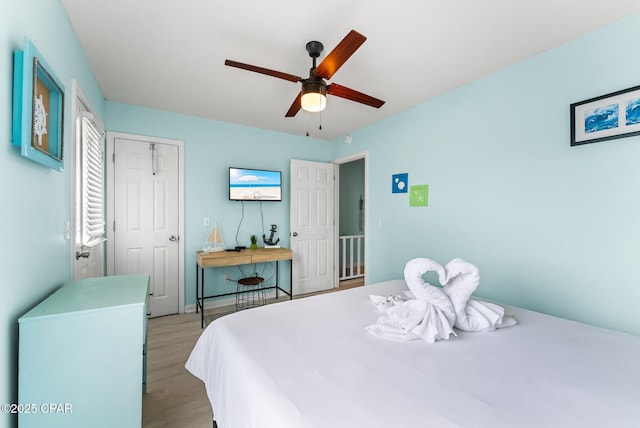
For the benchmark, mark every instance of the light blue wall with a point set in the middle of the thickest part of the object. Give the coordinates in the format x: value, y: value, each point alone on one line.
x: 35, y: 201
x: 551, y: 227
x: 211, y: 147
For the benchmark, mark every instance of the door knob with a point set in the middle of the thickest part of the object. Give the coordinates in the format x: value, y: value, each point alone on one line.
x: 84, y: 254
x: 173, y: 238
x: 295, y: 234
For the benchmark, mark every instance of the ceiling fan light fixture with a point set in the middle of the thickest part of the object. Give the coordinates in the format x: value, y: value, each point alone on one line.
x: 314, y: 97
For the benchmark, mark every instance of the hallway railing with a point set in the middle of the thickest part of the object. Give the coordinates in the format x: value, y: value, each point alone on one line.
x: 351, y: 256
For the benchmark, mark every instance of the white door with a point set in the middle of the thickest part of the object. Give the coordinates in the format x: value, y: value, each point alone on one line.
x: 312, y: 226
x: 146, y: 217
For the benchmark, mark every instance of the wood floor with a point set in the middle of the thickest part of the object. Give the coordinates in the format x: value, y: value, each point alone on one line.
x: 175, y: 398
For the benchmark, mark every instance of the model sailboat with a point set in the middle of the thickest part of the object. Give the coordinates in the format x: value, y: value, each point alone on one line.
x: 214, y: 241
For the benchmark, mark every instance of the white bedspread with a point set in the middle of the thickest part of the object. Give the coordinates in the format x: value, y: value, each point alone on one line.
x: 310, y: 363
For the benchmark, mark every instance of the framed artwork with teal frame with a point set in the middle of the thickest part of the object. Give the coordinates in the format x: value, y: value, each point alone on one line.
x: 38, y: 108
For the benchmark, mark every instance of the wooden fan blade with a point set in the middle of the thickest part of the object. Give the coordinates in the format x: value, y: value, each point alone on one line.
x: 352, y: 95
x: 262, y: 70
x: 295, y: 107
x: 339, y: 55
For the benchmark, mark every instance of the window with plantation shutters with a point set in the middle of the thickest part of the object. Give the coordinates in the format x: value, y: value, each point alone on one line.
x: 92, y: 184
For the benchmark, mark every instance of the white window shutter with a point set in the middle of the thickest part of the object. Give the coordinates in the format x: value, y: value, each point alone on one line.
x: 93, y: 222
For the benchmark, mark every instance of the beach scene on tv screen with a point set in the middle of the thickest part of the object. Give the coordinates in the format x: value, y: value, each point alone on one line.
x: 254, y: 185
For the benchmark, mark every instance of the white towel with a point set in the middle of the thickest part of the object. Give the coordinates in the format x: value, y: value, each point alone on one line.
x: 492, y: 313
x: 383, y: 303
x: 429, y: 316
x: 433, y: 312
x: 461, y: 281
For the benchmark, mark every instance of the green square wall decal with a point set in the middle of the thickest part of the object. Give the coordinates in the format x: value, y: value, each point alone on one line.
x: 419, y: 195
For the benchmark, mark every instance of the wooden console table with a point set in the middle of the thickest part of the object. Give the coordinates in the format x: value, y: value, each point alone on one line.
x: 236, y: 258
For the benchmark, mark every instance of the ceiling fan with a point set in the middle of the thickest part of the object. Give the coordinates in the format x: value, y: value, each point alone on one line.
x: 312, y: 97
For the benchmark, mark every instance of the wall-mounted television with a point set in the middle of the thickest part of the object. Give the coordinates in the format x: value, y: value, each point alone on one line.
x: 247, y: 184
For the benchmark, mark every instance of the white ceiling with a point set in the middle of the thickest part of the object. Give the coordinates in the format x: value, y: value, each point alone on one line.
x: 169, y: 55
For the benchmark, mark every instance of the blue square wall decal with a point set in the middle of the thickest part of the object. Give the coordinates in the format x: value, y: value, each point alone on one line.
x: 400, y: 183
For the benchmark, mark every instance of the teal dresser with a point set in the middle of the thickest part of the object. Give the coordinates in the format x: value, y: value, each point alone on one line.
x: 82, y: 355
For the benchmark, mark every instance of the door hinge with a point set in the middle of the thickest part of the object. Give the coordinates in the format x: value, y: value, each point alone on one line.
x: 114, y: 226
x: 113, y: 158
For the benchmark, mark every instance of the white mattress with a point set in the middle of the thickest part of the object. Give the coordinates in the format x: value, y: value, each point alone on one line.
x: 310, y: 363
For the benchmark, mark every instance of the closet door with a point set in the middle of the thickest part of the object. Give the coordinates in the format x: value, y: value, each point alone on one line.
x: 146, y: 236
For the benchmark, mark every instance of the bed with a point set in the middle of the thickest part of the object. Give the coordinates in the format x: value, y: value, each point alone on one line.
x: 310, y: 363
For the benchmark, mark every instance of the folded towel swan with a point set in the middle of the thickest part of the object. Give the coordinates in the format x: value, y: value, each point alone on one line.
x: 434, y: 311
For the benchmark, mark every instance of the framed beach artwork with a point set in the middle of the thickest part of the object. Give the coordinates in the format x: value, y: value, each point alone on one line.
x: 38, y: 108
x: 615, y: 115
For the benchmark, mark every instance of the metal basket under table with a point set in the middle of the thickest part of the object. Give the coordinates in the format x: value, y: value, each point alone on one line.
x: 250, y: 293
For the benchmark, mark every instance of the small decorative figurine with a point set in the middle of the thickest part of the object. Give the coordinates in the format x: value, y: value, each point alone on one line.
x: 269, y: 242
x: 214, y: 241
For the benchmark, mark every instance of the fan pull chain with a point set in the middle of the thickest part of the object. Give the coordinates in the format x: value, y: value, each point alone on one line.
x: 319, y: 127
